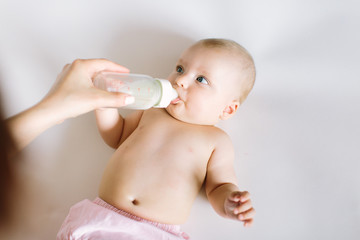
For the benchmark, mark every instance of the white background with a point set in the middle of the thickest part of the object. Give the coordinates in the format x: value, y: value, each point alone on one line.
x: 296, y: 137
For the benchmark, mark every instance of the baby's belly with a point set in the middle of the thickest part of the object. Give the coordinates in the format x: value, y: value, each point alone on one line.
x: 155, y: 191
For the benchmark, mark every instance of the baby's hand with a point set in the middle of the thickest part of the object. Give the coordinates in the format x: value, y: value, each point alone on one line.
x: 238, y: 206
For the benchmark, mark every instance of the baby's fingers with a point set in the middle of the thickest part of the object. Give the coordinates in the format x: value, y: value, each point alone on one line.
x: 243, y: 207
x: 248, y: 223
x: 239, y: 196
x: 248, y: 215
x: 245, y: 196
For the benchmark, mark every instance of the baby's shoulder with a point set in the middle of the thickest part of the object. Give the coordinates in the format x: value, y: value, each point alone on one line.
x: 223, y: 144
x: 216, y: 131
x: 218, y: 135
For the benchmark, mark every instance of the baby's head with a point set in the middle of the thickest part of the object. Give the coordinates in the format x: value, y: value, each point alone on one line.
x: 213, y: 78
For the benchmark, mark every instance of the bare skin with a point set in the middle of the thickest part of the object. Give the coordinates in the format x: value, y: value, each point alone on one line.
x: 166, y: 173
x: 72, y: 94
x: 164, y: 156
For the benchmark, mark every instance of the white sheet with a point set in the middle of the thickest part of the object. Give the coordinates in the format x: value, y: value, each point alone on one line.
x: 296, y: 137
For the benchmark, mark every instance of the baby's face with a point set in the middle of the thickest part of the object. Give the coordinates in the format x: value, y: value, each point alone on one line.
x: 206, y: 80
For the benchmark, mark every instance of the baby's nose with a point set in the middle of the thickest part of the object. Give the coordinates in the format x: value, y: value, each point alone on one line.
x: 182, y: 82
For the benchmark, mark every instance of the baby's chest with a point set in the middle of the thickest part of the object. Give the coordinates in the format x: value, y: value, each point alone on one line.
x: 169, y: 137
x: 186, y: 146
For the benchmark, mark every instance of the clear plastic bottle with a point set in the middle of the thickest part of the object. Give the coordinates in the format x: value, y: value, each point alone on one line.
x: 148, y: 92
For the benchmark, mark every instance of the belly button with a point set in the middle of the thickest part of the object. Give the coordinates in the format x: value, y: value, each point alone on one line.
x: 135, y: 202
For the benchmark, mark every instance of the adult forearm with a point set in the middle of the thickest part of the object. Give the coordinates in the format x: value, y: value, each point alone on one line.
x: 29, y: 124
x: 72, y: 94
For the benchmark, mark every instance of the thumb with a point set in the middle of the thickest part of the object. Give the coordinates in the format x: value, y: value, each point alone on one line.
x: 114, y: 99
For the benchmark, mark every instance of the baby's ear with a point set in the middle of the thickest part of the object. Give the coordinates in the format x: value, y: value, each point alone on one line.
x: 230, y: 110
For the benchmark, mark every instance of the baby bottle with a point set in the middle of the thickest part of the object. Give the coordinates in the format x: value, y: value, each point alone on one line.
x: 147, y: 91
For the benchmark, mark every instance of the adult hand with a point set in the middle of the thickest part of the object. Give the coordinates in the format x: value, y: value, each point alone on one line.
x: 72, y: 94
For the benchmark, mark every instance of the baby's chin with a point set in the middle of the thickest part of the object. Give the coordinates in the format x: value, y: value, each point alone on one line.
x: 173, y: 113
x: 178, y: 114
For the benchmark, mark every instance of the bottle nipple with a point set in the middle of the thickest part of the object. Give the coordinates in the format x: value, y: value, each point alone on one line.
x: 168, y: 94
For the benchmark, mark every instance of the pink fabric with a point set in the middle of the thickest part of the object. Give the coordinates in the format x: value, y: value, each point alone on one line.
x: 100, y: 220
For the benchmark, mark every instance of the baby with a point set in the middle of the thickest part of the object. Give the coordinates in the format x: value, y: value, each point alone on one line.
x: 164, y: 156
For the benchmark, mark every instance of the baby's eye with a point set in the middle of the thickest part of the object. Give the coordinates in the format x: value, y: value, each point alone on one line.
x: 202, y: 80
x: 179, y: 69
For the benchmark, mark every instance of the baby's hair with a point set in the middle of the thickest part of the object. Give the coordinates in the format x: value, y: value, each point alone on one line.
x: 246, y: 60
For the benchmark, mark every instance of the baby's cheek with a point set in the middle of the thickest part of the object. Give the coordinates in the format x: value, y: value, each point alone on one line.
x: 196, y: 111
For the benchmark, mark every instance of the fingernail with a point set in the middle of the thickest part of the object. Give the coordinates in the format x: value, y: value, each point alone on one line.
x: 129, y: 100
x: 241, y: 217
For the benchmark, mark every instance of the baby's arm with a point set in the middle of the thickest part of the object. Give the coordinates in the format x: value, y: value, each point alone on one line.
x: 221, y: 187
x: 113, y: 128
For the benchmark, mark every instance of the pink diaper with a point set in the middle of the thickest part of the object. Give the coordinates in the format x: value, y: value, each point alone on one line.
x: 100, y: 220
